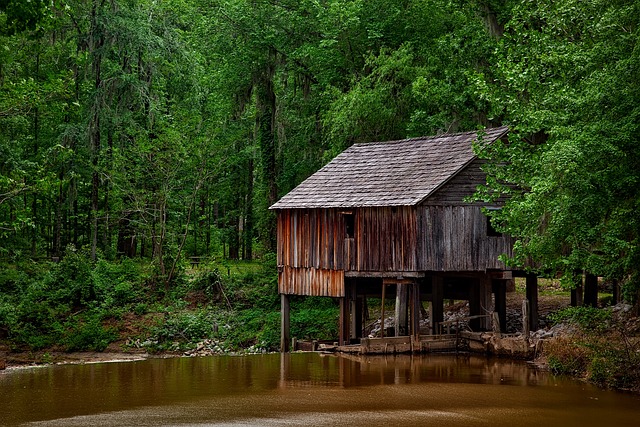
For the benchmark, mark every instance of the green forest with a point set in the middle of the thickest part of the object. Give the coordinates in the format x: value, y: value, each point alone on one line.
x: 138, y: 137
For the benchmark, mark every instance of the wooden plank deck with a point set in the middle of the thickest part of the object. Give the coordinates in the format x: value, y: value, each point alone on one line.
x: 393, y: 345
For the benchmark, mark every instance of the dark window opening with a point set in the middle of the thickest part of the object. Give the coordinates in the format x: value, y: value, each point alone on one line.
x: 491, y: 231
x: 349, y: 225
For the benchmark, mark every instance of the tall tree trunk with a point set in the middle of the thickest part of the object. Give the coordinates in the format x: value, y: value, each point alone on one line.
x: 57, y: 228
x: 96, y: 40
x: 266, y: 134
x: 36, y: 142
x: 248, y: 214
x: 106, y: 232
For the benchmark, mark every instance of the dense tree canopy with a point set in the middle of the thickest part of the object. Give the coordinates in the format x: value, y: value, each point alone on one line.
x: 166, y: 129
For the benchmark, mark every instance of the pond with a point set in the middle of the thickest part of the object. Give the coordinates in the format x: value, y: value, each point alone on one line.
x: 307, y: 389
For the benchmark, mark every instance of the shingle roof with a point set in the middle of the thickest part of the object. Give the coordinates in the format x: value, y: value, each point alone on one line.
x: 393, y: 173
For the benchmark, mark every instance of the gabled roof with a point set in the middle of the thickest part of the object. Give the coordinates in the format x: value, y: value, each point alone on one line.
x: 393, y: 173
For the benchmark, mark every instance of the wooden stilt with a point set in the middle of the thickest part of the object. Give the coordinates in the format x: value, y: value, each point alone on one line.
x: 437, y: 303
x: 532, y: 296
x: 284, y: 323
x: 415, y: 310
x: 616, y: 291
x: 500, y: 292
x: 356, y: 315
x: 576, y: 292
x: 358, y: 318
x: 484, y: 294
x: 344, y: 322
x: 590, y: 290
x: 525, y: 318
x: 384, y: 287
x: 474, y: 304
x: 401, y: 309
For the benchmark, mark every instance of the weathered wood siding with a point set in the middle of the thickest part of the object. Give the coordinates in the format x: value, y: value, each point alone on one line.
x: 314, y: 251
x: 311, y: 281
x: 312, y: 243
x: 310, y: 253
x: 462, y: 185
x: 454, y: 238
x: 311, y: 238
x: 386, y: 239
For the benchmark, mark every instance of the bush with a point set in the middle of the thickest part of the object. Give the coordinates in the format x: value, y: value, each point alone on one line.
x: 565, y: 357
x: 314, y: 318
x: 590, y: 319
x: 184, y: 327
x: 600, y: 350
x: 82, y: 334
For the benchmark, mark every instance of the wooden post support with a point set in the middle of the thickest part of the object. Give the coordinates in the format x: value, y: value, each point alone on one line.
x: 356, y: 315
x: 576, y: 292
x: 500, y: 293
x: 344, y: 322
x: 437, y: 303
x: 616, y: 291
x: 496, y: 326
x: 590, y: 290
x: 525, y: 318
x: 474, y: 304
x: 401, y: 309
x: 484, y: 293
x: 355, y: 310
x: 284, y: 323
x: 532, y: 297
x: 384, y: 287
x: 415, y: 310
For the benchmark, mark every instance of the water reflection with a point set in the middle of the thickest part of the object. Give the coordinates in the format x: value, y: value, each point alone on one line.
x: 307, y: 389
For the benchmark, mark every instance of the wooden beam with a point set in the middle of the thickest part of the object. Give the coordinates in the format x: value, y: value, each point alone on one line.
x: 401, y: 309
x: 355, y: 309
x: 384, y: 287
x: 437, y: 303
x: 500, y: 297
x: 485, y: 303
x: 532, y: 297
x: 415, y: 310
x: 285, y: 323
x: 576, y: 291
x: 343, y: 338
x: 616, y: 291
x: 590, y: 290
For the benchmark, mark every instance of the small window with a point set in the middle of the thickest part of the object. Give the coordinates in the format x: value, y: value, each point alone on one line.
x: 491, y: 231
x: 349, y: 224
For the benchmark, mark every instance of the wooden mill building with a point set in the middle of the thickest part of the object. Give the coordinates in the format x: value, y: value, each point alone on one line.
x: 391, y: 219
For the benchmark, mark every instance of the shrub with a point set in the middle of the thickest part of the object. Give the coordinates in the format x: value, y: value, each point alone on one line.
x: 184, y: 327
x: 564, y: 357
x: 87, y: 334
x: 590, y: 319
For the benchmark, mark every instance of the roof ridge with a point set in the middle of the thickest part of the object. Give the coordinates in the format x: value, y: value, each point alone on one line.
x: 428, y: 138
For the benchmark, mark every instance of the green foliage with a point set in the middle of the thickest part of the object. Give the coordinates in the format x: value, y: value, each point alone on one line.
x: 185, y: 327
x: 590, y: 319
x: 563, y: 81
x: 314, y: 318
x: 601, y: 349
x: 84, y: 333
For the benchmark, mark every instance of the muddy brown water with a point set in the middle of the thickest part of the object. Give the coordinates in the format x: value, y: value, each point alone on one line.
x: 308, y: 389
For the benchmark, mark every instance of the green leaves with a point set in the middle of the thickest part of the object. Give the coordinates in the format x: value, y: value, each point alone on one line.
x: 564, y: 84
